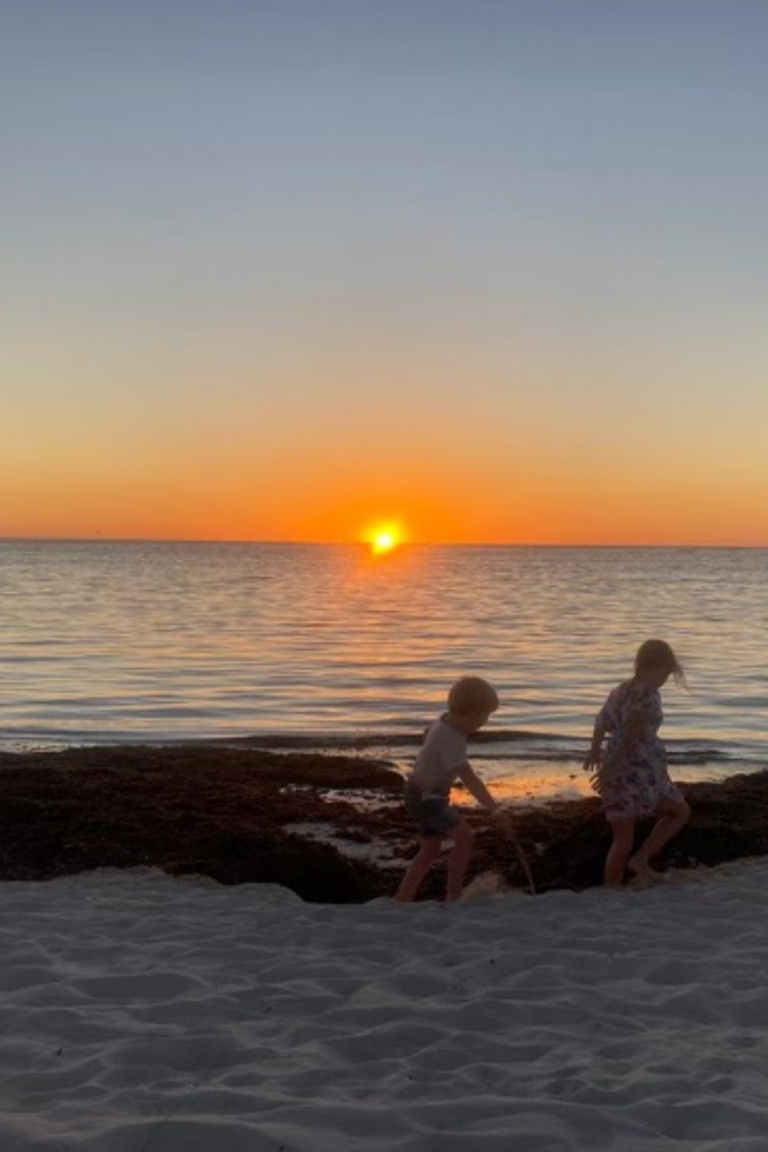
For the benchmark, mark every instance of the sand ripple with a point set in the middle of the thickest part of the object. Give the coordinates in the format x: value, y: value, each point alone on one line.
x: 146, y: 1014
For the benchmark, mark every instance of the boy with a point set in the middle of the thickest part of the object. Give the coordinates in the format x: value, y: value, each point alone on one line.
x: 443, y: 758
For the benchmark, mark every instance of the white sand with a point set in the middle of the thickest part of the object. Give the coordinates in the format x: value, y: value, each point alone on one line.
x: 145, y: 1014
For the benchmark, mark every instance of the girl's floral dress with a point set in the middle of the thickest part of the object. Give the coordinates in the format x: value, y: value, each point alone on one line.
x: 631, y: 784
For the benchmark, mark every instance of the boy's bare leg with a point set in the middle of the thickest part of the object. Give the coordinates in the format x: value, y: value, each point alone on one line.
x: 418, y: 868
x: 462, y: 836
x: 674, y: 817
x: 623, y: 829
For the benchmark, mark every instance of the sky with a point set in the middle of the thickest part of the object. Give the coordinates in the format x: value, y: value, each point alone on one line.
x: 489, y: 270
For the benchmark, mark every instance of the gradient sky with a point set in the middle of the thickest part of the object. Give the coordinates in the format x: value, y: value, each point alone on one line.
x: 282, y: 270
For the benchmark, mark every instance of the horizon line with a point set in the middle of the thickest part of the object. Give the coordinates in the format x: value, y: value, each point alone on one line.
x: 98, y: 539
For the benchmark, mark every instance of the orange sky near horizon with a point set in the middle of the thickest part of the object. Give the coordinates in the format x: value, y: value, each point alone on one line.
x: 210, y: 498
x: 530, y: 453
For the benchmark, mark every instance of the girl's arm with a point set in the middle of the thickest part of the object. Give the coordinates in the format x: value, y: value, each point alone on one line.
x: 592, y: 761
x: 474, y: 784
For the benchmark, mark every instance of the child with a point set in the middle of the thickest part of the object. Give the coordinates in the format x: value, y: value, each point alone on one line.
x: 631, y: 776
x: 443, y: 758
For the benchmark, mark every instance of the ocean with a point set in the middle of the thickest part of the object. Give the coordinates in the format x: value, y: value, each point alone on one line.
x: 327, y: 646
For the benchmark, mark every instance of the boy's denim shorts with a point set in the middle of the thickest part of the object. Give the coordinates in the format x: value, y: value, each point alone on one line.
x: 433, y: 815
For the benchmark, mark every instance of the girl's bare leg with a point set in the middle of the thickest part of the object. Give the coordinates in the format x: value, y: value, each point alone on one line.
x: 623, y: 828
x: 462, y: 836
x: 418, y: 868
x: 674, y: 816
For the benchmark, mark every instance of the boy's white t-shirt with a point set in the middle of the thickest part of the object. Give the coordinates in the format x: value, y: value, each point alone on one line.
x: 442, y: 754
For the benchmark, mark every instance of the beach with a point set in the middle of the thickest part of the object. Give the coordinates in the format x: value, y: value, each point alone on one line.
x: 145, y: 1013
x: 201, y: 952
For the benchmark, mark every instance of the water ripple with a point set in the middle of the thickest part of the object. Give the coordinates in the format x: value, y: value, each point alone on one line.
x: 172, y: 641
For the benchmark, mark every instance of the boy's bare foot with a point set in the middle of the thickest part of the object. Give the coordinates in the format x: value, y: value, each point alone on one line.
x: 643, y: 876
x: 485, y: 884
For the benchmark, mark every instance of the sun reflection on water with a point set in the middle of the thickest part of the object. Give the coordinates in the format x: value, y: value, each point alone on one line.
x: 531, y: 786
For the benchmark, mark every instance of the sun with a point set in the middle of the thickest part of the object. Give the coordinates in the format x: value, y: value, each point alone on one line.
x: 384, y: 538
x: 384, y: 542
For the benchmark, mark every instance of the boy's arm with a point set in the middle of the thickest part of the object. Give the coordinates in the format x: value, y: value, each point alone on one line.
x: 474, y: 784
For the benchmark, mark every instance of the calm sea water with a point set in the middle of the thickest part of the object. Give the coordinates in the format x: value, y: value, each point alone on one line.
x: 156, y: 641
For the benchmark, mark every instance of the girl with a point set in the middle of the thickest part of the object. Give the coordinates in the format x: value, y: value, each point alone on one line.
x: 631, y: 777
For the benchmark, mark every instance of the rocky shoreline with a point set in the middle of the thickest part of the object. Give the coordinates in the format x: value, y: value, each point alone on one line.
x: 239, y: 814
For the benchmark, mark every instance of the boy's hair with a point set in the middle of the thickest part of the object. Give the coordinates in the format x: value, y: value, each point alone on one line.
x: 658, y: 654
x: 471, y: 694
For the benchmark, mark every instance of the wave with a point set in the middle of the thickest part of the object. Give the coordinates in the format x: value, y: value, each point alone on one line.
x: 516, y: 746
x: 512, y: 744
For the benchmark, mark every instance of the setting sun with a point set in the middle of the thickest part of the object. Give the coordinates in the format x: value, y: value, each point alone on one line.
x: 384, y: 542
x: 384, y: 538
